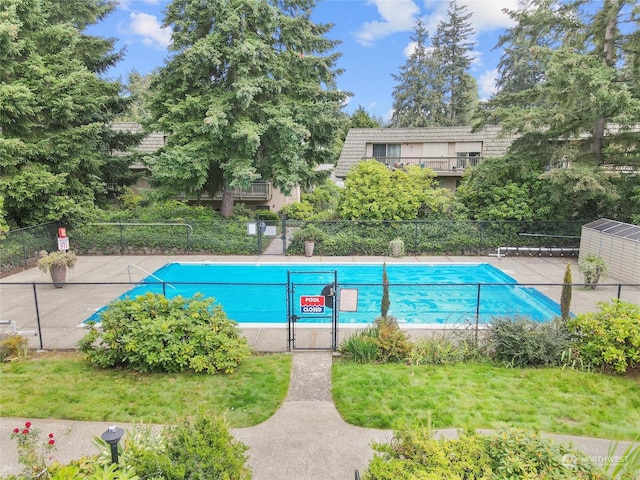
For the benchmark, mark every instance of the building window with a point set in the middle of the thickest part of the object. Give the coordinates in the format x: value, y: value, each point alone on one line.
x: 385, y: 150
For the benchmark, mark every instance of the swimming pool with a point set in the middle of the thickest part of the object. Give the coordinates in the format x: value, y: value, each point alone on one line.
x: 419, y: 293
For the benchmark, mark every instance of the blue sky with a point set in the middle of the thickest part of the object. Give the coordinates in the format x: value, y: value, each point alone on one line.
x: 374, y: 35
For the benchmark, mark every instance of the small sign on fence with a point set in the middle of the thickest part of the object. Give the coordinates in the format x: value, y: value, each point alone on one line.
x: 312, y: 303
x: 63, y: 243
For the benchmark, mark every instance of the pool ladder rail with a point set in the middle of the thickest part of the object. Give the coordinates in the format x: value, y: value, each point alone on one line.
x: 148, y: 273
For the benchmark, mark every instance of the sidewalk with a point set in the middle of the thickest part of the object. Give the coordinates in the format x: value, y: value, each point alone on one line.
x: 304, y: 440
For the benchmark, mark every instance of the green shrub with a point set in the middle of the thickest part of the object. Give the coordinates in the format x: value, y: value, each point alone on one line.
x: 610, y: 337
x: 592, y: 268
x: 565, y: 296
x: 383, y: 342
x: 201, y: 449
x: 518, y: 453
x: 521, y: 342
x: 393, y: 343
x: 444, y: 348
x: 154, y: 334
x: 510, y: 454
x: 413, y: 453
x: 13, y: 347
x: 361, y: 347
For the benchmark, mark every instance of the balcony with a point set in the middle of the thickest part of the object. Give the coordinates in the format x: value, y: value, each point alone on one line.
x: 450, y: 166
x: 259, y: 191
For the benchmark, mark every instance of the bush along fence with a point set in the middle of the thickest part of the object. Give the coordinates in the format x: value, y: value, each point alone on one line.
x: 251, y: 237
x: 56, y: 314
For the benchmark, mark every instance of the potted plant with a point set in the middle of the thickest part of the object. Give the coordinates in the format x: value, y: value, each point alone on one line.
x: 57, y: 263
x: 310, y: 235
x: 592, y: 268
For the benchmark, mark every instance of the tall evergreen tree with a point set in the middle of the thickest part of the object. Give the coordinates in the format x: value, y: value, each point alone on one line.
x: 452, y: 50
x: 361, y: 119
x: 248, y: 94
x: 586, y: 82
x: 55, y: 110
x: 417, y: 97
x: 538, y: 24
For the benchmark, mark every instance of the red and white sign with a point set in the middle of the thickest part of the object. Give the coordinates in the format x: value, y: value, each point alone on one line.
x: 63, y: 240
x: 63, y: 243
x: 312, y: 303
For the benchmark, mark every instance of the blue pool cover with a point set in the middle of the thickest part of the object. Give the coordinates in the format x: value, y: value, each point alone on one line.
x: 419, y: 293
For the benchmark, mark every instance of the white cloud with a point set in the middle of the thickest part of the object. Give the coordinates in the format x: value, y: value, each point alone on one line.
x: 409, y: 49
x: 396, y: 16
x: 487, y: 83
x: 487, y: 15
x: 148, y: 27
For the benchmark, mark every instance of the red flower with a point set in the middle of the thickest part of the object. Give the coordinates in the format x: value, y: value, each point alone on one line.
x: 25, y: 431
x: 16, y: 430
x: 52, y: 441
x: 28, y: 424
x: 51, y: 435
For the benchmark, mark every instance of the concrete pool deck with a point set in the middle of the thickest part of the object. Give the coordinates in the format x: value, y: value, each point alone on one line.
x: 62, y: 310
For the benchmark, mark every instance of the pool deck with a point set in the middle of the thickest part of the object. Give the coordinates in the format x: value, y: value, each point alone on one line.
x: 63, y: 310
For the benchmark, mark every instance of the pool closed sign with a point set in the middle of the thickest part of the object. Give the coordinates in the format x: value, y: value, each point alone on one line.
x: 312, y: 303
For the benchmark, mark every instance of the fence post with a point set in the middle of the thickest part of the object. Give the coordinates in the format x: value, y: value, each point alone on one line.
x: 283, y: 219
x: 619, y: 290
x: 188, y: 241
x: 121, y: 226
x: 35, y: 298
x: 24, y: 250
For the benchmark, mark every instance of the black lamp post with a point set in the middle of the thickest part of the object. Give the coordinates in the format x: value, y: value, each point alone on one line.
x: 112, y: 436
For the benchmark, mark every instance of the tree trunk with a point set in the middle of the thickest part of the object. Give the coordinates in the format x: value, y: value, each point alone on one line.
x: 608, y: 58
x: 226, y: 208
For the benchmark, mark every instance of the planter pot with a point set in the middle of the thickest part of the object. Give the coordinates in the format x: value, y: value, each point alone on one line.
x: 308, y: 248
x: 58, y: 275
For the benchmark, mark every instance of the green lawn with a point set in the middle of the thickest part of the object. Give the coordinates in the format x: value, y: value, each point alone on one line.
x: 486, y: 396
x: 65, y: 386
x: 476, y: 395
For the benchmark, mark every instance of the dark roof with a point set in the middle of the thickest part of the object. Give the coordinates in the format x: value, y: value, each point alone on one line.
x: 615, y: 228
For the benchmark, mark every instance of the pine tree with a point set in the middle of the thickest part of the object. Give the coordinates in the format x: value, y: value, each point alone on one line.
x: 538, y: 24
x: 55, y: 110
x: 417, y: 98
x: 248, y: 94
x: 583, y: 81
x: 451, y: 50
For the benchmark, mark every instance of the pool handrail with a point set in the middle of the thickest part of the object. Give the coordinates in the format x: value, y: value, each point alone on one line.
x: 148, y: 273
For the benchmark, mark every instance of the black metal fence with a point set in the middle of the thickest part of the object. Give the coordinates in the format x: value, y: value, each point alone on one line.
x: 20, y: 248
x: 339, y: 237
x: 58, y: 315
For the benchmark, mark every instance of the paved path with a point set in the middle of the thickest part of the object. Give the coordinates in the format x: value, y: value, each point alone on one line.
x: 305, y: 440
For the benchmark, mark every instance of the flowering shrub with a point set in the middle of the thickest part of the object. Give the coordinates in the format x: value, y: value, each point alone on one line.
x: 33, y: 454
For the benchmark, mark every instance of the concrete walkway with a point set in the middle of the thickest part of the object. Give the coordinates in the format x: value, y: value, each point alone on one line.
x: 305, y: 440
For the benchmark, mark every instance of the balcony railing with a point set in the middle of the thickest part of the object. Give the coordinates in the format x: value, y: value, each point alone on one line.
x: 449, y: 165
x: 255, y: 191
